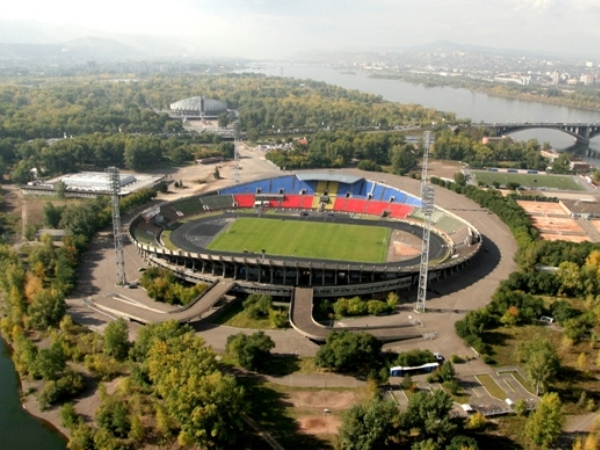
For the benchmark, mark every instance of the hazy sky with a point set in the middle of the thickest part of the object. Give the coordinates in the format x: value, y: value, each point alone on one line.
x: 279, y: 28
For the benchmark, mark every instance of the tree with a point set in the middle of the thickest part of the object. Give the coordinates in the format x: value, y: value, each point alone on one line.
x: 68, y: 417
x: 541, y: 363
x: 222, y: 120
x: 61, y: 189
x: 52, y: 215
x: 207, y: 404
x: 251, y: 351
x: 460, y: 179
x: 51, y: 362
x: 462, y: 443
x: 46, y: 309
x: 544, y: 426
x: 348, y: 351
x: 367, y: 426
x: 430, y: 415
x: 116, y: 339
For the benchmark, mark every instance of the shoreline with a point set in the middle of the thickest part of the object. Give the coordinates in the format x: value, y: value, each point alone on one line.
x: 524, y: 97
x: 30, y: 404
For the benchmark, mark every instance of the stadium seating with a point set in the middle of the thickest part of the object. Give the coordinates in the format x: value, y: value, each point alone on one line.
x: 449, y: 224
x: 216, y: 202
x: 170, y: 214
x: 414, y: 201
x: 399, y: 211
x: 188, y: 206
x: 297, y: 202
x: 288, y: 184
x: 244, y: 200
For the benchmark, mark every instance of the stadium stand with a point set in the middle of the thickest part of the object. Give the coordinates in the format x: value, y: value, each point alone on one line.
x: 217, y: 202
x: 169, y: 213
x: 188, y: 206
x: 461, y: 237
x: 321, y: 187
x: 399, y: 211
x: 332, y: 188
x: 449, y: 224
x: 354, y: 205
x: 297, y: 202
x: 244, y: 200
x: 417, y: 213
x: 286, y: 185
x: 413, y: 201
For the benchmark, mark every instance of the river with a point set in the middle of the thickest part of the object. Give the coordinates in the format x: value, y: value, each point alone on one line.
x: 478, y: 107
x: 18, y: 429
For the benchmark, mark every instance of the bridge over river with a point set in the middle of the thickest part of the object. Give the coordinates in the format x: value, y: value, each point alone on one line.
x: 582, y: 132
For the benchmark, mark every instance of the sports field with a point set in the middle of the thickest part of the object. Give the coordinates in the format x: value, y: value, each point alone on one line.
x: 562, y: 182
x: 305, y: 239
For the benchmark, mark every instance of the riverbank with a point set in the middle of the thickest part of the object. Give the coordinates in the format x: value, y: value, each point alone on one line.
x: 432, y: 81
x: 23, y: 426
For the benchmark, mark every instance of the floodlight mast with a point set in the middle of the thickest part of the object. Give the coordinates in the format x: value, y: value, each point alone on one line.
x: 115, y: 184
x: 236, y: 152
x: 427, y: 195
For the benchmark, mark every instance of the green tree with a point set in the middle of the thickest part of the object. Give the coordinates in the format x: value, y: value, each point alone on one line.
x: 47, y: 309
x: 222, y: 120
x: 116, y: 339
x: 51, y: 362
x: 544, y: 425
x: 251, y: 351
x: 68, y: 417
x: 207, y: 404
x: 367, y: 426
x: 541, y: 363
x: 61, y: 189
x: 348, y: 351
x: 429, y: 414
x: 52, y: 215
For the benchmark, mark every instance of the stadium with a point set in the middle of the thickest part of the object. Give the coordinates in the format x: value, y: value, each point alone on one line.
x: 333, y: 234
x: 198, y: 107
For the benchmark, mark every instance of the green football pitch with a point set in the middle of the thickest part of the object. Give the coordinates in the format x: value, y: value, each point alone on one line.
x: 561, y: 182
x: 305, y: 239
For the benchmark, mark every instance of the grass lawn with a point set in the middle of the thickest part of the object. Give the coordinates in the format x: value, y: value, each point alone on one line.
x: 563, y: 182
x: 235, y: 316
x: 305, y: 239
x: 491, y: 386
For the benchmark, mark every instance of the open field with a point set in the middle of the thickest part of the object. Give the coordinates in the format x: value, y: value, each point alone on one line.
x: 543, y: 208
x: 564, y: 237
x: 556, y: 225
x: 310, y: 239
x: 561, y: 182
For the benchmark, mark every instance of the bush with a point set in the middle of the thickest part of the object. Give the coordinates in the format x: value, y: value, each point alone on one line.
x: 348, y: 351
x: 258, y: 306
x: 278, y: 318
x: 70, y: 384
x: 250, y: 351
x: 414, y: 358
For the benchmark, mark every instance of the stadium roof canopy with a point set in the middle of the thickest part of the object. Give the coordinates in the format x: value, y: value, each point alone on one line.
x: 320, y: 176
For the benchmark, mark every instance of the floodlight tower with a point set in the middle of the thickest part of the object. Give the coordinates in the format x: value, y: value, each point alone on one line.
x: 236, y: 161
x: 427, y: 194
x: 115, y: 185
x: 236, y: 152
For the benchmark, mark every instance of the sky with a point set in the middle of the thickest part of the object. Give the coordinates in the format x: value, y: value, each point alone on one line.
x: 280, y: 28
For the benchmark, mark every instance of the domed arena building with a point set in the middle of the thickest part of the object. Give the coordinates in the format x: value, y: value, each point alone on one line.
x: 198, y: 107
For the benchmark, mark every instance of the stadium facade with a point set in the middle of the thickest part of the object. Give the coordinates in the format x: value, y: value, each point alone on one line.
x: 198, y: 107
x: 305, y: 196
